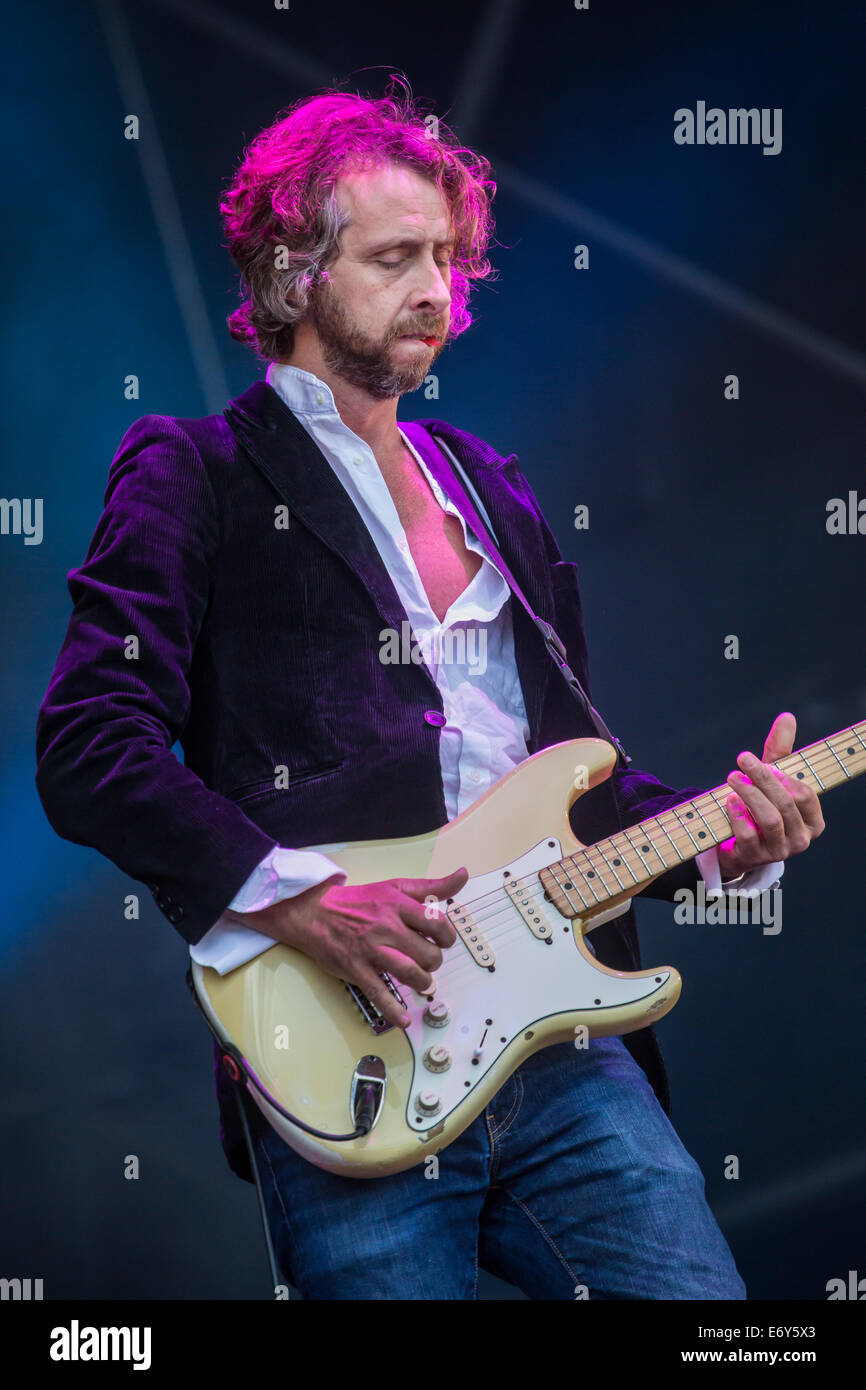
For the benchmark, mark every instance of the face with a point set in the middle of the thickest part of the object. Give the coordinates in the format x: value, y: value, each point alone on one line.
x: 391, y: 280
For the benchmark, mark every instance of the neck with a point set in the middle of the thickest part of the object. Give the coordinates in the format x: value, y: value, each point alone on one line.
x: 618, y: 867
x: 374, y: 421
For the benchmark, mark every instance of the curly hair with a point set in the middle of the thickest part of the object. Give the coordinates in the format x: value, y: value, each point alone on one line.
x: 283, y: 196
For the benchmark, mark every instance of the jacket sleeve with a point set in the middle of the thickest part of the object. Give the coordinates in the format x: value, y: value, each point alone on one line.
x: 119, y: 696
x: 639, y: 795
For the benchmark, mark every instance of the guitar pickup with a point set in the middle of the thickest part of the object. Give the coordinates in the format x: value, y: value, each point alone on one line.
x: 526, y: 905
x: 377, y: 1020
x: 472, y: 937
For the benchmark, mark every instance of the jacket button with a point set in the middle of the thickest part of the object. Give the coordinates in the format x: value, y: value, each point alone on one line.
x: 174, y: 914
x: 434, y: 716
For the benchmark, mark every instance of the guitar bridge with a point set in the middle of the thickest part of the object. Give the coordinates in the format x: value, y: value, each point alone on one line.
x: 377, y: 1020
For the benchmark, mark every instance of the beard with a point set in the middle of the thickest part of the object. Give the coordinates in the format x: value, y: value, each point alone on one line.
x: 357, y: 358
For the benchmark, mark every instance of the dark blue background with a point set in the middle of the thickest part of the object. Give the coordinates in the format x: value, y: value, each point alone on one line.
x: 707, y: 517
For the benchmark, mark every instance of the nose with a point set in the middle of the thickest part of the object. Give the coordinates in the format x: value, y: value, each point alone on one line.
x: 433, y: 292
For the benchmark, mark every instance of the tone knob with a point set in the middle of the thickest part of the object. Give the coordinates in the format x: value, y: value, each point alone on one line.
x: 436, y: 1013
x: 428, y: 1102
x: 437, y: 1058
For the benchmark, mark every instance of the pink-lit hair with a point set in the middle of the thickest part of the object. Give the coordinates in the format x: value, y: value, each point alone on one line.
x: 283, y: 195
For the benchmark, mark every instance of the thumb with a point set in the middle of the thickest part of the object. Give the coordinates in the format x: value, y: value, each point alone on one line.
x: 780, y: 739
x: 444, y: 887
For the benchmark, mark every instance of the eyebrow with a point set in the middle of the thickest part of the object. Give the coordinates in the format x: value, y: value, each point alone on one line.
x: 412, y: 242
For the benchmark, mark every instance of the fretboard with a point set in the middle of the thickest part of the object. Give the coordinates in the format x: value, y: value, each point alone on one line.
x: 627, y: 861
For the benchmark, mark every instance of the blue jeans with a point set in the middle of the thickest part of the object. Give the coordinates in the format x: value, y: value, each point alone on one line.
x: 572, y: 1179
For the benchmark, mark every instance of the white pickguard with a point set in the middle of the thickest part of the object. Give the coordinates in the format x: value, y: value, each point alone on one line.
x: 533, y: 979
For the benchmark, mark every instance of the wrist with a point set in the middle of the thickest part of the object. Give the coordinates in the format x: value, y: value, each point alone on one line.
x: 286, y: 919
x: 729, y: 869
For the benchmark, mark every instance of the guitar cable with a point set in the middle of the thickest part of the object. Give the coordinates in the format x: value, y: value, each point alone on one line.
x: 235, y: 1065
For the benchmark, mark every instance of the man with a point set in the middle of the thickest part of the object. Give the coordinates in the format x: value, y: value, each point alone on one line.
x: 235, y: 596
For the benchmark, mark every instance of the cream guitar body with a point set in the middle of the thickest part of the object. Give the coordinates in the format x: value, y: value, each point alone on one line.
x: 520, y: 975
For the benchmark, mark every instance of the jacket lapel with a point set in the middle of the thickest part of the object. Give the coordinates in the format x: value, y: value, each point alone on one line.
x: 277, y: 443
x: 281, y: 448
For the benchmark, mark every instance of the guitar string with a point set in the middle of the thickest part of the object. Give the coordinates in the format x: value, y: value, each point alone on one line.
x: 511, y: 918
x: 456, y: 966
x: 475, y: 906
x: 460, y: 964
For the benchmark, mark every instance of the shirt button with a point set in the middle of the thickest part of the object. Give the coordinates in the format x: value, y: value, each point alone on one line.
x: 319, y: 397
x: 359, y: 458
x: 475, y: 775
x: 434, y: 716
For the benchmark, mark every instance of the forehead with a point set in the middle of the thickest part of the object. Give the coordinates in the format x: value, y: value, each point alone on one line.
x: 388, y: 196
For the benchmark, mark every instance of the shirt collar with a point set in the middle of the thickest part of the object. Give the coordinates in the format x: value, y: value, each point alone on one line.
x: 303, y: 392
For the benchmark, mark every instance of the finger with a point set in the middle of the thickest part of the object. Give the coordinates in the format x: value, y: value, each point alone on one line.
x: 766, y: 815
x: 393, y: 933
x: 810, y: 810
x: 780, y: 739
x: 807, y: 800
x: 748, y: 841
x: 406, y: 970
x: 431, y: 919
x: 428, y: 919
x: 378, y: 993
x: 446, y: 887
x: 773, y: 786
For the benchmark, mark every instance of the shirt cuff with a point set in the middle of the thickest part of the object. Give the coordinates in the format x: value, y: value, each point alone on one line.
x: 283, y: 873
x: 751, y: 885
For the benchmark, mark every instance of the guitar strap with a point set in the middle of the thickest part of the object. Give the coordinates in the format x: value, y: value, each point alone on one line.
x: 426, y: 445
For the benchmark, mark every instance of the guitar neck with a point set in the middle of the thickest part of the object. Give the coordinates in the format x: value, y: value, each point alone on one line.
x: 623, y: 864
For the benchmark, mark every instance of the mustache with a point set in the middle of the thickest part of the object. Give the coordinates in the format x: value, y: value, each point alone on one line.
x: 421, y: 332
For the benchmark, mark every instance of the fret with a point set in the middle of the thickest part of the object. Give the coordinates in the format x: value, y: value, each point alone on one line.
x: 612, y: 867
x: 858, y: 738
x: 642, y: 860
x: 595, y: 870
x: 587, y: 880
x: 572, y: 872
x: 682, y: 821
x: 798, y: 758
x: 621, y: 855
x: 699, y: 813
x: 569, y: 881
x: 623, y: 845
x: 719, y: 807
x: 813, y: 772
x: 594, y: 877
x: 669, y: 836
x: 836, y: 756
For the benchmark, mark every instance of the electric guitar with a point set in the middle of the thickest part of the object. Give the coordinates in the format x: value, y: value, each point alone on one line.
x: 359, y: 1096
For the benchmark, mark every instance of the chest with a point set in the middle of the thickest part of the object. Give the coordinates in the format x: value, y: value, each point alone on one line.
x: 435, y: 538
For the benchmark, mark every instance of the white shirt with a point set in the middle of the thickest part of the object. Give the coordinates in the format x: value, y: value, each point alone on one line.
x: 470, y: 655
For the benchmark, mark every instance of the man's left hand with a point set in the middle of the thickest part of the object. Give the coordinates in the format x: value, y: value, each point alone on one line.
x: 772, y: 816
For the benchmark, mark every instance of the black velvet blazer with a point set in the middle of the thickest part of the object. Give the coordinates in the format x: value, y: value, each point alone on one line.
x: 230, y: 550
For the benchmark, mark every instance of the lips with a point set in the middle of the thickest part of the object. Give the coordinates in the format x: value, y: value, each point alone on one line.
x: 419, y: 338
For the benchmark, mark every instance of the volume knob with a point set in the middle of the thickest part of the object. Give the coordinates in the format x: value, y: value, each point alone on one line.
x: 437, y: 1058
x: 428, y: 1102
x: 436, y: 1013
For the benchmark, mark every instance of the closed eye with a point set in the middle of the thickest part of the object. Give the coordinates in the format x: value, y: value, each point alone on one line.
x: 394, y: 265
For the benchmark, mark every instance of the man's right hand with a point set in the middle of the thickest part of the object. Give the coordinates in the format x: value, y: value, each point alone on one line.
x: 357, y: 932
